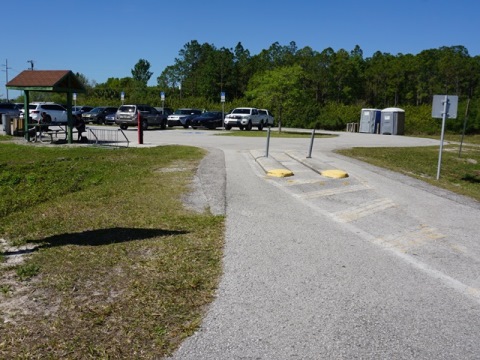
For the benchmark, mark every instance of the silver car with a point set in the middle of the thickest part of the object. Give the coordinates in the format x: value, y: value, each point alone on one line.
x: 127, y: 115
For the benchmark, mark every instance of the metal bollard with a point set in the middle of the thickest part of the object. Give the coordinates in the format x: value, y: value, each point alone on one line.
x: 311, y: 144
x: 268, y: 142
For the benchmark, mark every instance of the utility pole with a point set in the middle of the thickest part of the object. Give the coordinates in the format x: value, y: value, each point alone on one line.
x: 31, y: 64
x: 6, y: 75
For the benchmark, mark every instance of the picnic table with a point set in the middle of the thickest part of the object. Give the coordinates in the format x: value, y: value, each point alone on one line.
x: 45, y: 132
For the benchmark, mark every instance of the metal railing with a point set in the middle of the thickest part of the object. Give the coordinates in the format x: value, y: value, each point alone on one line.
x: 352, y: 127
x: 107, y: 137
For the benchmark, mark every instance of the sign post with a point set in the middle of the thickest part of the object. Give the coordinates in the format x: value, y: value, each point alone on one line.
x: 444, y: 106
x: 222, y: 100
x: 122, y: 96
x: 162, y: 97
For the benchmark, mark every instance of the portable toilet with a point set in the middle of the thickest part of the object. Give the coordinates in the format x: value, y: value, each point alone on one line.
x: 392, y: 121
x: 370, y: 121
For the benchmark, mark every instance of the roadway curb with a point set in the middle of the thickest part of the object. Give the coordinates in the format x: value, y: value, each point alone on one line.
x: 319, y: 167
x: 274, y: 168
x: 271, y: 166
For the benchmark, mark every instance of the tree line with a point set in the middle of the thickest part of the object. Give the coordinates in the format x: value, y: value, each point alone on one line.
x: 328, y: 88
x: 309, y: 88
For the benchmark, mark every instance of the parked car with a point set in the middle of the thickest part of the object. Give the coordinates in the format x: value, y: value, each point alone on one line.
x: 178, y: 118
x: 209, y: 120
x: 127, y: 115
x: 9, y: 109
x: 110, y: 119
x: 187, y: 120
x: 56, y: 112
x: 79, y: 110
x: 97, y: 115
x: 20, y: 107
x: 165, y: 111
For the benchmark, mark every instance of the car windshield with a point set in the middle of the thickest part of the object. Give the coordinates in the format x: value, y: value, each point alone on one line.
x: 209, y: 114
x: 183, y: 112
x: 96, y: 110
x: 125, y: 108
x: 241, y: 111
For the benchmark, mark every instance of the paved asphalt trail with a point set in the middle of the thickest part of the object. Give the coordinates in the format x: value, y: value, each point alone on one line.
x: 376, y: 265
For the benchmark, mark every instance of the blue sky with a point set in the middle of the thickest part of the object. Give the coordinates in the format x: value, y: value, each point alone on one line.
x: 103, y: 39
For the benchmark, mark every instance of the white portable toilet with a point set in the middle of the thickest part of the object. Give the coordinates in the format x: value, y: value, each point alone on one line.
x: 370, y: 121
x: 392, y: 121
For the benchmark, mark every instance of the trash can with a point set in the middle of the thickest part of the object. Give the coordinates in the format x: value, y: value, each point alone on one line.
x: 392, y: 121
x: 6, y: 120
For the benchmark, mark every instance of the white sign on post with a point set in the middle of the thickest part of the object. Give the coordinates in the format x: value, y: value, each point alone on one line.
x: 162, y: 96
x: 222, y: 97
x: 444, y: 106
x: 438, y: 106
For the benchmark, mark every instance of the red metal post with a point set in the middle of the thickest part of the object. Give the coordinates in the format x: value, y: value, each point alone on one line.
x: 140, y: 129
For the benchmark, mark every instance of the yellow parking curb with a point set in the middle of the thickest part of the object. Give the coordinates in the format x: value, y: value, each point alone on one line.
x: 280, y: 173
x: 335, y: 174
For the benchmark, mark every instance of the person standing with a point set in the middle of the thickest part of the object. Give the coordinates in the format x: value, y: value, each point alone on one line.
x: 81, y: 128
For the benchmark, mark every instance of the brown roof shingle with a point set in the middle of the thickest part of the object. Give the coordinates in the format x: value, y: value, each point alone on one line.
x: 47, y: 80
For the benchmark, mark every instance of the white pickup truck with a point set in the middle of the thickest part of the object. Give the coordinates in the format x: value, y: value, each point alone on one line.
x: 268, y: 118
x: 244, y: 118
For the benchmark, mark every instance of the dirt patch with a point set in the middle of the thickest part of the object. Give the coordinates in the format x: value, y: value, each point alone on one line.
x: 19, y: 297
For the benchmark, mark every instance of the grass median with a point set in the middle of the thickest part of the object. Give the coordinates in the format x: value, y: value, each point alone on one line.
x: 459, y: 172
x: 100, y: 258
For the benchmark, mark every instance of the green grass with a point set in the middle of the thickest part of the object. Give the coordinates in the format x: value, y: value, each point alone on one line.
x: 460, y: 174
x: 120, y: 268
x: 27, y: 271
x: 5, y: 137
x: 456, y: 138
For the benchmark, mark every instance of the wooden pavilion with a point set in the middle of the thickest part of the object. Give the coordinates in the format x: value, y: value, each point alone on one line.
x: 63, y: 81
